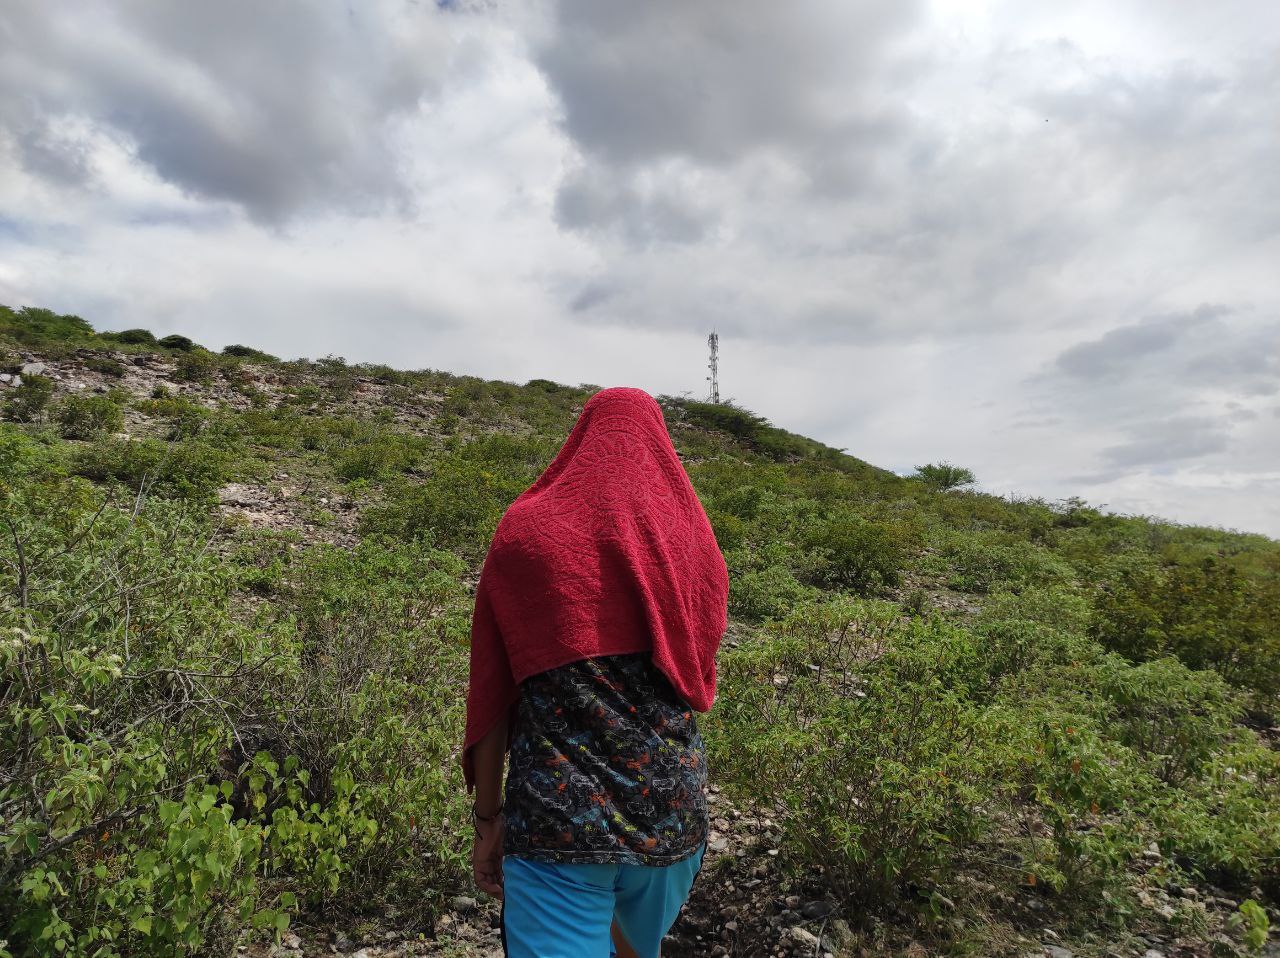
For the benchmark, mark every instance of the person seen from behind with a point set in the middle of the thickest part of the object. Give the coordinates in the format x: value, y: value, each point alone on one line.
x: 599, y: 611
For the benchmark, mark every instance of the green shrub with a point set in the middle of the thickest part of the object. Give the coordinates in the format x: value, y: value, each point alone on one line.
x: 755, y: 431
x: 1206, y: 613
x: 86, y: 417
x: 1176, y: 719
x: 1086, y: 789
x: 40, y: 328
x: 762, y: 591
x: 247, y: 352
x: 468, y: 489
x: 855, y: 555
x: 379, y: 456
x: 183, y: 417
x: 133, y: 337
x: 382, y: 633
x: 28, y: 402
x: 176, y: 342
x: 1222, y: 825
x: 983, y: 562
x: 195, y: 365
x: 730, y: 531
x: 105, y: 365
x: 846, y: 717
x: 118, y: 835
x: 184, y: 470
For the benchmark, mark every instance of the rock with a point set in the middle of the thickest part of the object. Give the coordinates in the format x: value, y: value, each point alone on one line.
x: 839, y: 936
x: 34, y: 369
x: 1152, y: 852
x: 291, y: 941
x: 1153, y: 953
x: 817, y: 909
x: 1189, y: 892
x: 463, y: 903
x: 12, y: 380
x: 803, y: 937
x: 1057, y: 951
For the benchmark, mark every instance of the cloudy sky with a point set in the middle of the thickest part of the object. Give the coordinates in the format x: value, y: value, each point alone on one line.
x: 1038, y: 239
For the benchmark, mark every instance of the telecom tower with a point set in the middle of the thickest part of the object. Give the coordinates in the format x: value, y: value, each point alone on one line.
x: 714, y: 342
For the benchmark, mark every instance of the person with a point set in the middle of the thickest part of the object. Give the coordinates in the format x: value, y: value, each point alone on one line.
x: 599, y: 610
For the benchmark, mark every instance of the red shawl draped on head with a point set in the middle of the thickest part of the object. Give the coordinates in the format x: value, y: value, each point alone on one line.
x: 609, y: 551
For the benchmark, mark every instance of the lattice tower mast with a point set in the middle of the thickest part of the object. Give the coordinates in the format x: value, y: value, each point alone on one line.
x: 714, y: 342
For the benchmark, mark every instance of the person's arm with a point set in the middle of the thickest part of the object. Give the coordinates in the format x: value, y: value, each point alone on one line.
x: 489, y: 756
x: 490, y: 761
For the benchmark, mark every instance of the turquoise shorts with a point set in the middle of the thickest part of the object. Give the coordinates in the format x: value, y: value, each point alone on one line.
x: 554, y: 910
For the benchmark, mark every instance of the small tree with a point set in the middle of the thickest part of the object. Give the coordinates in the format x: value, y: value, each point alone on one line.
x: 943, y: 475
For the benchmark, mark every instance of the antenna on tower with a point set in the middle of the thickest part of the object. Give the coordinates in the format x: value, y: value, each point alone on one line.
x: 714, y: 342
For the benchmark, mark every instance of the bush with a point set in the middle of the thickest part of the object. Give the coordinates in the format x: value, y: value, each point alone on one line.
x: 381, y: 639
x: 133, y: 337
x: 756, y: 431
x: 763, y: 591
x: 855, y: 555
x: 1222, y: 825
x: 1087, y: 790
x: 41, y: 328
x: 117, y: 831
x: 86, y: 417
x: 815, y: 717
x: 176, y: 342
x: 246, y: 352
x: 1173, y: 717
x: 469, y: 488
x: 185, y: 470
x: 982, y: 562
x: 377, y: 457
x: 105, y: 365
x: 196, y: 365
x: 183, y: 417
x: 28, y: 402
x: 1206, y: 613
x: 175, y: 772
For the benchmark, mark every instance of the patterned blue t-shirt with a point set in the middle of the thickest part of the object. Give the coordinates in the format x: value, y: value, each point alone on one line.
x: 607, y: 765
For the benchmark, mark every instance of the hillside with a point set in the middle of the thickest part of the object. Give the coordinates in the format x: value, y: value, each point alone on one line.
x: 234, y: 635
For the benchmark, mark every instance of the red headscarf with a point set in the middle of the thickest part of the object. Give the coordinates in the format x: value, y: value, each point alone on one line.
x: 609, y: 551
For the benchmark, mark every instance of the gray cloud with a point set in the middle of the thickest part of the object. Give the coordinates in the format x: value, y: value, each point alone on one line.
x: 278, y: 108
x: 645, y: 81
x: 1172, y: 356
x: 665, y: 212
x: 643, y: 84
x: 1168, y: 440
x: 1112, y: 355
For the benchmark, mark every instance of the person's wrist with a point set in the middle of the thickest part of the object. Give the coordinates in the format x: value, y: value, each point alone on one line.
x: 485, y: 822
